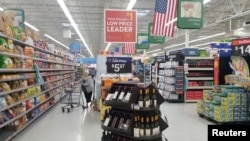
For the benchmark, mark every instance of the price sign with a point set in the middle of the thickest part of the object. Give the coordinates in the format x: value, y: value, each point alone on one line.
x: 119, y: 64
x: 241, y: 47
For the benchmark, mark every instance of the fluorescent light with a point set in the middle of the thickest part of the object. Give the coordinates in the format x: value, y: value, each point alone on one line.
x: 175, y: 45
x: 1, y: 9
x: 240, y: 29
x: 53, y: 39
x: 107, y: 48
x: 131, y: 4
x: 31, y: 26
x: 153, y: 51
x: 206, y: 1
x: 81, y: 55
x: 70, y: 18
x: 215, y: 35
x: 158, y: 53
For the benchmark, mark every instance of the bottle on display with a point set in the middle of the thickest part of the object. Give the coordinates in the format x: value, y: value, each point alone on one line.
x: 108, y: 118
x: 147, y: 127
x: 153, y: 99
x: 152, y: 126
x: 157, y: 127
x: 121, y: 121
x: 122, y: 93
x: 142, y: 128
x: 128, y: 95
x: 140, y: 101
x: 116, y: 93
x: 146, y: 99
x: 128, y: 121
x: 115, y: 120
x: 136, y: 127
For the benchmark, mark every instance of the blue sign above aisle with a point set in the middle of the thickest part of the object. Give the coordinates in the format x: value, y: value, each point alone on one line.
x: 75, y: 48
x: 89, y: 60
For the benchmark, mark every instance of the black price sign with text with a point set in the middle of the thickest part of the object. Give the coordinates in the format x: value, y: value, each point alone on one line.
x: 241, y: 47
x: 119, y: 64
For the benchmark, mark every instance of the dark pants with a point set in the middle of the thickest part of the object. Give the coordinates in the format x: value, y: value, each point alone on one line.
x: 88, y: 96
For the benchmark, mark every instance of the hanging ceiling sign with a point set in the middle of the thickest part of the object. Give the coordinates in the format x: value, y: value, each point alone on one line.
x: 241, y: 47
x: 142, y: 41
x: 119, y: 64
x: 120, y: 26
x: 190, y: 14
x: 154, y: 39
x: 75, y: 48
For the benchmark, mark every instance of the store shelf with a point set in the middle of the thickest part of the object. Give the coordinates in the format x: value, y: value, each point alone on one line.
x: 56, y: 69
x: 28, y: 98
x: 13, y: 133
x: 198, y: 58
x: 200, y: 78
x: 16, y: 70
x: 174, y: 100
x: 33, y: 58
x: 57, y: 73
x: 200, y: 87
x: 25, y: 44
x: 13, y: 79
x: 201, y: 69
x: 192, y: 101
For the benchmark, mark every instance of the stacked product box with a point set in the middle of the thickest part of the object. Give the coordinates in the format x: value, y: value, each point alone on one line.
x: 230, y: 104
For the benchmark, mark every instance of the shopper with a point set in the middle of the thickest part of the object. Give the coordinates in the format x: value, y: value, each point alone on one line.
x: 87, y: 86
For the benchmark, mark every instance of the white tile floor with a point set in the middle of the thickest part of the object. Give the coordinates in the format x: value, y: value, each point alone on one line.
x: 84, y: 125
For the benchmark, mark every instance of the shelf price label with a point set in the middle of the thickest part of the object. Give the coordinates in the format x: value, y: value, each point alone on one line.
x: 119, y: 64
x: 241, y: 47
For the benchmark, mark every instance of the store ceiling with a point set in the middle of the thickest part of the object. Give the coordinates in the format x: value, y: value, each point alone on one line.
x: 48, y: 17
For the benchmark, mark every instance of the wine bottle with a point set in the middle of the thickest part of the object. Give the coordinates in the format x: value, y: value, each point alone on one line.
x: 147, y: 128
x: 128, y: 95
x: 107, y: 120
x: 140, y: 101
x: 111, y: 117
x: 136, y: 128
x: 121, y: 121
x: 103, y: 136
x: 121, y: 95
x: 146, y: 99
x: 157, y: 127
x: 115, y: 120
x: 128, y: 122
x: 116, y: 93
x: 142, y: 128
x: 153, y: 99
x: 152, y: 126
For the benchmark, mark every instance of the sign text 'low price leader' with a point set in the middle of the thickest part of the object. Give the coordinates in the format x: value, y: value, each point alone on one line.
x: 120, y: 26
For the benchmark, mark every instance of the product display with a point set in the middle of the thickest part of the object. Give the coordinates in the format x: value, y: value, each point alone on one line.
x: 137, y: 118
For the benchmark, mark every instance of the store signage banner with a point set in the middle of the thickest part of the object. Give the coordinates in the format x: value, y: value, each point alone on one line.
x: 75, y: 48
x: 142, y: 41
x: 154, y: 39
x: 119, y: 64
x: 89, y: 60
x: 120, y: 26
x: 241, y: 47
x: 160, y: 59
x: 190, y: 14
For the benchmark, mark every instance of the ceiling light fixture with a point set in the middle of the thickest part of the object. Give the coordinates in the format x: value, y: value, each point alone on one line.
x: 206, y: 1
x: 202, y: 44
x: 158, y: 53
x: 31, y: 26
x: 153, y: 51
x: 81, y: 55
x: 53, y: 39
x: 130, y: 6
x: 70, y: 18
x: 1, y: 9
x: 215, y: 35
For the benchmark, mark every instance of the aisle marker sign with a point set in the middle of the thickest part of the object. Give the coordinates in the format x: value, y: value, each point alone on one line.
x: 75, y: 48
x: 119, y: 64
x: 120, y: 26
x: 241, y: 47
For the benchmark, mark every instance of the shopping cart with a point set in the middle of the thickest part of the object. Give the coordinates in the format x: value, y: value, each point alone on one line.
x: 74, y: 98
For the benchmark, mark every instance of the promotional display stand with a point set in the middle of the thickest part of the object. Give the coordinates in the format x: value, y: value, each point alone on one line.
x: 134, y: 113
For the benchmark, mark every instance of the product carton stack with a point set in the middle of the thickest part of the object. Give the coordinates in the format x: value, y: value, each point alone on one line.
x: 225, y: 104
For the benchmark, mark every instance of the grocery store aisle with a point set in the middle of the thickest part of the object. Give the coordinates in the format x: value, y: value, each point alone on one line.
x: 84, y: 125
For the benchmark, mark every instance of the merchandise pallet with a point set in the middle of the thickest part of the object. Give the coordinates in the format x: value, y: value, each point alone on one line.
x: 224, y: 123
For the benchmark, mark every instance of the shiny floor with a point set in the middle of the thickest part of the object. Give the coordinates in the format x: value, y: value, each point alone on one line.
x: 84, y: 125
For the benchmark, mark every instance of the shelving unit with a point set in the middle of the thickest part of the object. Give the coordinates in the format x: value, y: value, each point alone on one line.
x: 147, y: 73
x: 27, y: 100
x: 125, y: 127
x: 200, y: 76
